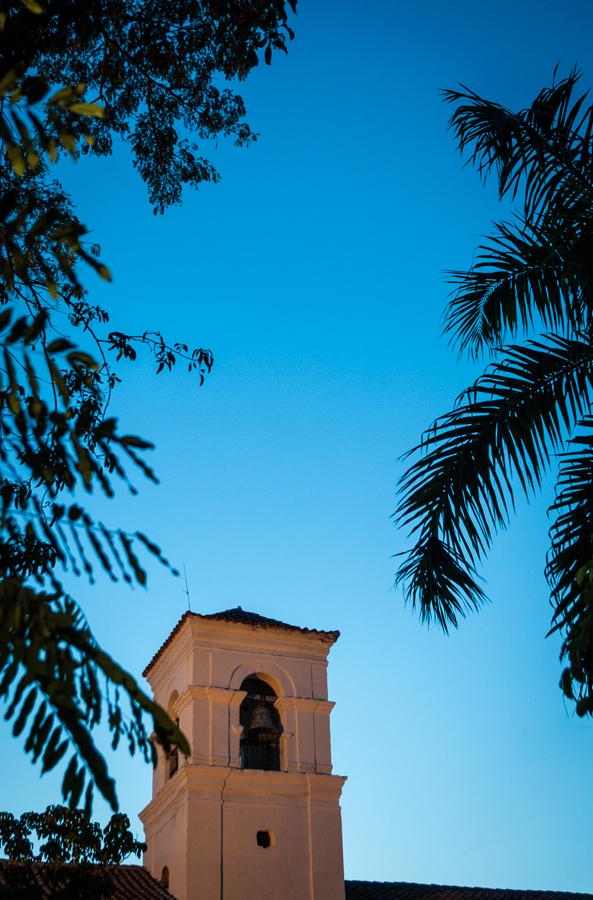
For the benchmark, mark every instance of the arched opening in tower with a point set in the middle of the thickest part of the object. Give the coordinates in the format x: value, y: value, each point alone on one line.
x: 260, y: 739
x: 172, y: 756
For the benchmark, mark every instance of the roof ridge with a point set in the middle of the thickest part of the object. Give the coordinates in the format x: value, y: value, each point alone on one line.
x: 357, y: 889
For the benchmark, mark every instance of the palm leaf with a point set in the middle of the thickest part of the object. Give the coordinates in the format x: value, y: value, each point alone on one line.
x: 537, y: 270
x: 523, y: 276
x: 545, y: 149
x: 570, y: 568
x: 459, y: 490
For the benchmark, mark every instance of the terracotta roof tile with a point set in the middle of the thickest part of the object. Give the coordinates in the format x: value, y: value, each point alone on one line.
x: 42, y: 881
x: 401, y: 890
x: 242, y: 617
x: 134, y: 883
x: 237, y: 614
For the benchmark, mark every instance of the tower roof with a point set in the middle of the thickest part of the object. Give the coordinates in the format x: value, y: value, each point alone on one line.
x: 44, y: 879
x: 240, y: 616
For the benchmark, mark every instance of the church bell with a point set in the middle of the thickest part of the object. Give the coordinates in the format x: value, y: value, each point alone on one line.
x: 261, y: 721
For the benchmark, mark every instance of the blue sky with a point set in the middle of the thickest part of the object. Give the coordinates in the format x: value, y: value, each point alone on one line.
x: 314, y: 272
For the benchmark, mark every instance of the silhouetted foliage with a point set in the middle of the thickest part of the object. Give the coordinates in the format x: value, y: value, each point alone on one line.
x: 65, y: 851
x: 532, y: 405
x: 74, y: 77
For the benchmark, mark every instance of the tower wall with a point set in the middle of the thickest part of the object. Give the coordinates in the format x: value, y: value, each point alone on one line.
x: 203, y: 822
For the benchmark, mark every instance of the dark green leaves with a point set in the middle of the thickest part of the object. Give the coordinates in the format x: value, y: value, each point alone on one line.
x: 75, y: 77
x: 522, y: 278
x: 53, y: 676
x: 543, y: 151
x: 462, y: 487
x: 533, y: 273
x: 536, y: 269
x: 73, y: 850
x: 570, y: 567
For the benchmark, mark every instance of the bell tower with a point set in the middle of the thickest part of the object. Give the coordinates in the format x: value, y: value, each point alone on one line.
x: 254, y: 811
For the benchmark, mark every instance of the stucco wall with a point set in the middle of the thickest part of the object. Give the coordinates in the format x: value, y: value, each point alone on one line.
x: 202, y: 823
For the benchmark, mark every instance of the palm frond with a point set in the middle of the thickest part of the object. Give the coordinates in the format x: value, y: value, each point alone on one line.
x: 433, y: 569
x: 570, y: 567
x: 459, y: 491
x: 546, y: 149
x: 523, y: 276
x: 538, y: 269
x: 572, y: 531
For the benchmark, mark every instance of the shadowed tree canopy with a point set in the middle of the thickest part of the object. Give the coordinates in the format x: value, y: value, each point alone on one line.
x: 158, y: 67
x: 527, y: 305
x: 75, y: 76
x: 63, y: 850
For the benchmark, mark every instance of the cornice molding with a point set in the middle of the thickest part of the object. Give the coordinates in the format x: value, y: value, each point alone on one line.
x: 310, y: 704
x: 207, y: 782
x: 225, y: 696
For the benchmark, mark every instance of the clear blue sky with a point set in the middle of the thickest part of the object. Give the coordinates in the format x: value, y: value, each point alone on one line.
x: 314, y: 272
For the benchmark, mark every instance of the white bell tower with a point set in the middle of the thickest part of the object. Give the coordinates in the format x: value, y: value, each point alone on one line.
x: 254, y: 812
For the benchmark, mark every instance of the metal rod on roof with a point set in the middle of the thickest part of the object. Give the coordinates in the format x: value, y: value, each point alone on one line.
x: 186, y: 591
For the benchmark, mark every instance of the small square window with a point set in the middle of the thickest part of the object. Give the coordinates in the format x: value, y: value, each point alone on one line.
x: 264, y: 839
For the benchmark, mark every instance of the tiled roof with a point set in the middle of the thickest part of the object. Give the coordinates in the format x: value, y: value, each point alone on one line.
x: 39, y: 881
x: 237, y: 614
x: 401, y: 890
x: 134, y: 883
x: 243, y: 617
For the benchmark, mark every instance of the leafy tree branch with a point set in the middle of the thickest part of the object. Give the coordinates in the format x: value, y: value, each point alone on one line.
x: 74, y: 78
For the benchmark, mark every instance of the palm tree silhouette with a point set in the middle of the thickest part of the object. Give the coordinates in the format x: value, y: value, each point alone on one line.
x: 531, y: 282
